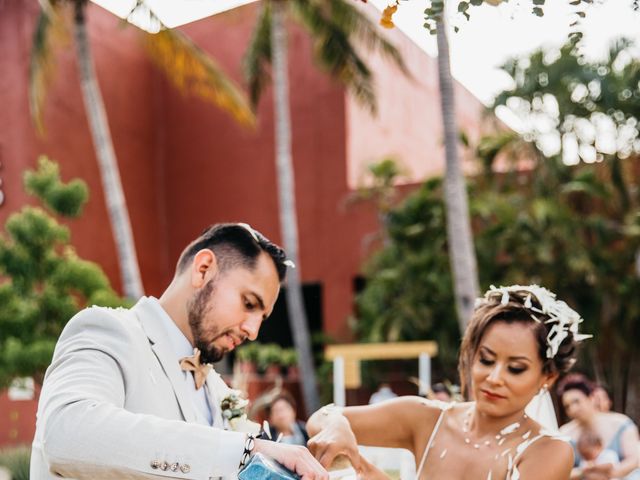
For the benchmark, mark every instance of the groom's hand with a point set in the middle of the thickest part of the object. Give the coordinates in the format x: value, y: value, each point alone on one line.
x: 296, y: 458
x: 334, y: 439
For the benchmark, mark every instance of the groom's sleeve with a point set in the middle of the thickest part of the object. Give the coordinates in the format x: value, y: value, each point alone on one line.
x: 84, y: 430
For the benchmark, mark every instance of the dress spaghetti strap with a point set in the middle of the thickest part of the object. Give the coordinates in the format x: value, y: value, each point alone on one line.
x: 433, y: 435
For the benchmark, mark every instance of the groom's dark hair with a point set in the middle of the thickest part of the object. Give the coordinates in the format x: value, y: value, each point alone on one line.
x: 234, y: 245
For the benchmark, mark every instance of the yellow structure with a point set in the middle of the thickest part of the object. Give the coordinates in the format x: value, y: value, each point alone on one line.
x: 353, y: 353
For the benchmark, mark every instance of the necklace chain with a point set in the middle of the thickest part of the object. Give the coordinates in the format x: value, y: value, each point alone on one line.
x: 500, y: 437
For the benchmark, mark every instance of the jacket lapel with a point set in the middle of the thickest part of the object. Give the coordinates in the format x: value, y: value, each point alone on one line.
x: 217, y: 389
x: 166, y: 356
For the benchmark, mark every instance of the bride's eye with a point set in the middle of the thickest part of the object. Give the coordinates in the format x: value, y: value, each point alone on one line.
x: 485, y: 361
x: 517, y: 370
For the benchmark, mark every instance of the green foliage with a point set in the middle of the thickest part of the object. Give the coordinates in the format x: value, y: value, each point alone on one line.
x: 409, y: 291
x: 44, y: 283
x: 557, y: 226
x: 582, y: 101
x: 574, y: 230
x: 65, y: 199
x: 380, y: 186
x: 269, y: 354
x: 16, y: 460
x: 433, y: 13
x: 248, y: 352
x: 288, y: 357
x: 594, y: 108
x: 186, y: 66
x: 336, y: 28
x: 258, y: 56
x: 435, y: 9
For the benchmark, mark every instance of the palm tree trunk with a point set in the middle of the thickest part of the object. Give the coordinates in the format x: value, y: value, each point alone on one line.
x: 461, y: 248
x: 287, y: 205
x: 109, y: 173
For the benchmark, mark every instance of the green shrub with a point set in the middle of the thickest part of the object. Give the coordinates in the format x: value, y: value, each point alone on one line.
x: 16, y: 460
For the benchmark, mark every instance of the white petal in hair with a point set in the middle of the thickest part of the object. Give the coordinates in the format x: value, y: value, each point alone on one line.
x: 564, y: 318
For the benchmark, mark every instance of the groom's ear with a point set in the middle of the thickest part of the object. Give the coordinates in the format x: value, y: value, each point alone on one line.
x: 203, y: 267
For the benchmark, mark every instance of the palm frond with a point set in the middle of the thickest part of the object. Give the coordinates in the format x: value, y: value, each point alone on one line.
x: 258, y: 56
x: 351, y: 19
x: 334, y: 50
x: 192, y: 71
x: 51, y: 30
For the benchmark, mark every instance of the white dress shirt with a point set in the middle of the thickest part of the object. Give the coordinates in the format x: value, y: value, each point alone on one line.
x: 183, y: 348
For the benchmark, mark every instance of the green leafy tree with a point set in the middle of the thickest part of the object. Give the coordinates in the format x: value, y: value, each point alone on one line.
x: 572, y: 228
x: 555, y: 225
x: 334, y: 27
x: 187, y: 67
x: 409, y: 290
x: 591, y: 112
x: 43, y: 281
x: 463, y: 257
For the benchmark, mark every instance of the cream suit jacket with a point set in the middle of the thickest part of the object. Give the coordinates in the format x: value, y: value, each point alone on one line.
x: 114, y: 406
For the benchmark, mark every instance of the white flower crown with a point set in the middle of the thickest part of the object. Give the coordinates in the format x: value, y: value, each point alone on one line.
x: 564, y: 318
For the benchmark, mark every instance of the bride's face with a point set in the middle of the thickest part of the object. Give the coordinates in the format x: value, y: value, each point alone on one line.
x: 507, y: 370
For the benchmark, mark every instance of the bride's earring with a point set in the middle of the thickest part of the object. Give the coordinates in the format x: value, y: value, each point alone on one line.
x: 544, y: 389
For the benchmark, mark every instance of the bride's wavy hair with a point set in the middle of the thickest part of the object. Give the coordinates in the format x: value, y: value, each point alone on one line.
x: 492, y: 310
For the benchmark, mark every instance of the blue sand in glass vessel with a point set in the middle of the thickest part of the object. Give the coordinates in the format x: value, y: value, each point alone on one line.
x: 260, y: 467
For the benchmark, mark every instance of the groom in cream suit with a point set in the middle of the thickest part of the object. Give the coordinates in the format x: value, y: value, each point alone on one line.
x: 116, y: 402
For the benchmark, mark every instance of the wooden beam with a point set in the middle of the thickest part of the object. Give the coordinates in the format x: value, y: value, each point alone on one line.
x: 352, y: 376
x: 380, y: 351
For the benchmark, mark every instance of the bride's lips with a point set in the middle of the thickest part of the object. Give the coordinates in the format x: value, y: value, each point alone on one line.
x: 491, y: 395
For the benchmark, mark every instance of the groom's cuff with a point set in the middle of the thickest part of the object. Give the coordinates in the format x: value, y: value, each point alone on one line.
x: 230, y: 449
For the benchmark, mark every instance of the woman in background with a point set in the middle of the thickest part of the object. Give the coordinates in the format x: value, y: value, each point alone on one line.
x: 283, y: 422
x: 617, y: 431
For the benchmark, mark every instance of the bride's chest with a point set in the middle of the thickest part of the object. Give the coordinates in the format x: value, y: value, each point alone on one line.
x: 451, y: 458
x: 458, y: 466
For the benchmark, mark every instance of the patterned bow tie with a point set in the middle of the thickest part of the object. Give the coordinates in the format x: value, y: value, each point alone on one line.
x: 200, y: 370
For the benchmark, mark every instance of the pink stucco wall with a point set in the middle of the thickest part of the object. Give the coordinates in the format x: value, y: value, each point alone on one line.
x: 408, y: 124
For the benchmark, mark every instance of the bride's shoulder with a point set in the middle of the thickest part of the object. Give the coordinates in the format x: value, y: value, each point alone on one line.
x: 548, y: 455
x: 550, y: 444
x: 432, y: 408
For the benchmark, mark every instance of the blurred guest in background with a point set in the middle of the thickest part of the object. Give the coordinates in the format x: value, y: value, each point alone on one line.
x: 283, y: 422
x: 441, y: 392
x: 383, y: 393
x: 616, y: 431
x: 592, y: 451
x: 601, y: 399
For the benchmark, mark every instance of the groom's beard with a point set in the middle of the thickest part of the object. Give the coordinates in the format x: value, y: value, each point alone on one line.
x: 197, y: 309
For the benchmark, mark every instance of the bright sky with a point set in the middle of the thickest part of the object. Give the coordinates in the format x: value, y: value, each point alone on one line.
x: 172, y: 13
x: 495, y: 34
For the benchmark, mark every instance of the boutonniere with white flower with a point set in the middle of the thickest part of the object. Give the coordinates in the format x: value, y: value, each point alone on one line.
x: 234, y: 409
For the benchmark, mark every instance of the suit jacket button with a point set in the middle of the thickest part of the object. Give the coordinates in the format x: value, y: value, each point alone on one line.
x: 174, y: 467
x: 185, y: 468
x: 155, y: 464
x: 164, y: 466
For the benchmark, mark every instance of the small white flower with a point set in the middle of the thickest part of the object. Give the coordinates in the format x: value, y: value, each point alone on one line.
x: 233, y: 408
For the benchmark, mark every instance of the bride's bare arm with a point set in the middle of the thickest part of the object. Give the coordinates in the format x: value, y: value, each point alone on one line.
x: 394, y: 423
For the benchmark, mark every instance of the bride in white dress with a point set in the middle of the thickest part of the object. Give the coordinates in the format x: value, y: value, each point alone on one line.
x: 517, y: 343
